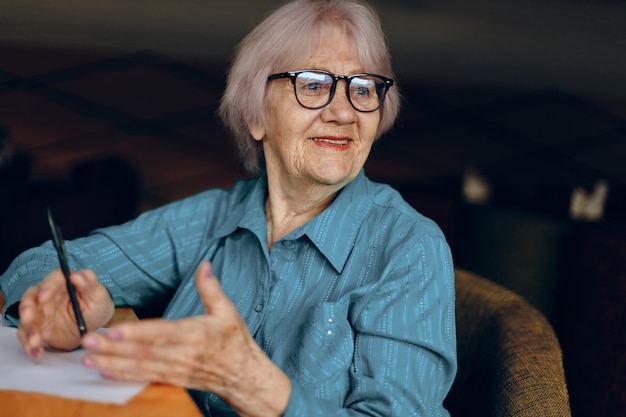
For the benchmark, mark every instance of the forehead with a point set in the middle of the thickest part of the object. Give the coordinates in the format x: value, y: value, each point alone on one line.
x: 307, y: 48
x: 332, y: 47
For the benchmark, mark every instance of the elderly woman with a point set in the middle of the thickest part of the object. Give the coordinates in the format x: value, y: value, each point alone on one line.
x: 308, y: 290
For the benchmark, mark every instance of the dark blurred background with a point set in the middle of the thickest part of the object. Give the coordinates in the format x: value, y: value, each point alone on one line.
x: 107, y: 108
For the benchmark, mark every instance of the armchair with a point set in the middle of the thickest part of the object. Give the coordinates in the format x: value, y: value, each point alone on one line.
x: 510, y: 361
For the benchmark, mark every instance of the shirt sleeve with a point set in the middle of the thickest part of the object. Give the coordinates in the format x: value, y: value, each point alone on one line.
x: 405, y: 341
x: 139, y: 262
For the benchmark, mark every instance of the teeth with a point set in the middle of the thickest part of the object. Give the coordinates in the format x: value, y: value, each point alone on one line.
x: 334, y: 142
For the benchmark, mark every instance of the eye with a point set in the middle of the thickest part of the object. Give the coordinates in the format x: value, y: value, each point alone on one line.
x: 311, y: 86
x: 362, y: 88
x: 361, y: 91
x: 313, y: 83
x: 312, y: 89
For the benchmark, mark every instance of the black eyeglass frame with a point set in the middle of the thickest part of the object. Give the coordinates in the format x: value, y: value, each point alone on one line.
x: 292, y: 75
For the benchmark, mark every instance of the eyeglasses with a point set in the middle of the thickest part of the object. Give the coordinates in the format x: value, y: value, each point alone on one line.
x: 315, y: 89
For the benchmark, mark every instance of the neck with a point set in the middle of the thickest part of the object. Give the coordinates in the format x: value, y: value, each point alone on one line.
x: 286, y: 209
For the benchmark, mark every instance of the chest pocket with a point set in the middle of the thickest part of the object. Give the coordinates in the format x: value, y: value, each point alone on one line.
x: 325, y: 347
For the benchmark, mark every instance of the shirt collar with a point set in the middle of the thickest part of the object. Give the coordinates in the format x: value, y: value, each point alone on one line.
x: 249, y: 211
x: 333, y: 231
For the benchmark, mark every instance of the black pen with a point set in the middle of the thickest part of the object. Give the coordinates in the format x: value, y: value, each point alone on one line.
x: 59, y: 245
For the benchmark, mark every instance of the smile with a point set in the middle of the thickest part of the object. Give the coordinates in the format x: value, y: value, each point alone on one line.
x: 336, y: 142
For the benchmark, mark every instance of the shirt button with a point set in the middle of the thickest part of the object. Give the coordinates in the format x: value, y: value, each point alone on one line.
x: 287, y: 243
x: 258, y: 308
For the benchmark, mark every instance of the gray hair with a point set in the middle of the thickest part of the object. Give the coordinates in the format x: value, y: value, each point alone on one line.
x: 278, y: 43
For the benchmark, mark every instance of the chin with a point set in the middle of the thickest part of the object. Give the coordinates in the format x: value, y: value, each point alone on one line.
x: 334, y: 176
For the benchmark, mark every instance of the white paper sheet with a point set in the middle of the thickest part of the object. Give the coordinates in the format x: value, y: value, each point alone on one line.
x: 57, y: 373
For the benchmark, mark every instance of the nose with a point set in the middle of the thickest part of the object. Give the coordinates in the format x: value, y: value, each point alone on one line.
x: 339, y: 110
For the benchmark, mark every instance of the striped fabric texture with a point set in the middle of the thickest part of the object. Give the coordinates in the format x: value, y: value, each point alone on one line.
x: 356, y: 306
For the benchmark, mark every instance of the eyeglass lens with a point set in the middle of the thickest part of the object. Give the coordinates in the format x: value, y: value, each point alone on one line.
x: 315, y: 90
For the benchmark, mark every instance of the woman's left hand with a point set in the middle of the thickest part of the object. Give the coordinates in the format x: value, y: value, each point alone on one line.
x: 214, y: 352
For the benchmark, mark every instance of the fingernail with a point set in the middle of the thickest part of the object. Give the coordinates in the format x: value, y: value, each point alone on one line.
x: 82, y: 275
x: 35, y: 352
x: 105, y: 373
x: 90, y: 342
x: 209, y: 270
x: 89, y: 362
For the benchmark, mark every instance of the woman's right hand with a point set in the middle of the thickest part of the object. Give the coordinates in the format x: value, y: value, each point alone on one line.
x: 47, y: 317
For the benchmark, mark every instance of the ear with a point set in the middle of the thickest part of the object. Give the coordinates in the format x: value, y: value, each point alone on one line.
x: 257, y: 131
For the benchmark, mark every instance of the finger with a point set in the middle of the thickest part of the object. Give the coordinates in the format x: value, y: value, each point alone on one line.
x: 137, y: 360
x: 152, y: 331
x: 138, y: 369
x: 28, y: 306
x: 95, y: 301
x: 29, y: 332
x: 182, y: 341
x: 85, y: 281
x: 31, y: 342
x: 51, y: 286
x: 111, y: 343
x: 210, y: 290
x: 182, y: 364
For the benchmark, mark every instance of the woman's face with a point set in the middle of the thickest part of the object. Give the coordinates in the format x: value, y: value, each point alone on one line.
x: 327, y: 146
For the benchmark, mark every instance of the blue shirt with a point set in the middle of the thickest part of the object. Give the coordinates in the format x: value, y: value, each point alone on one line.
x: 356, y: 306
